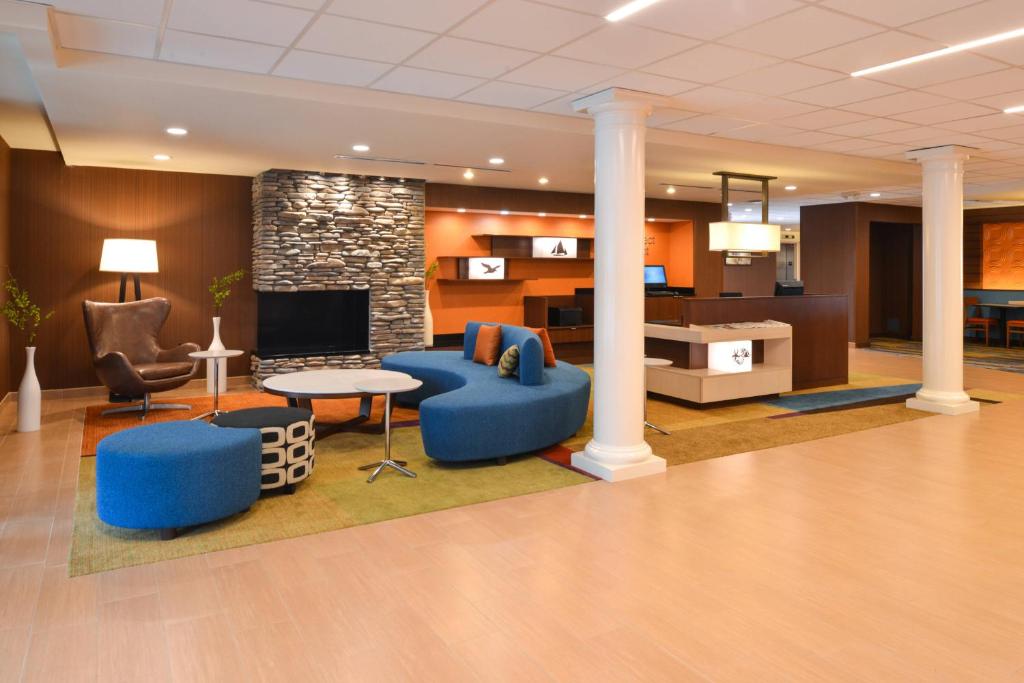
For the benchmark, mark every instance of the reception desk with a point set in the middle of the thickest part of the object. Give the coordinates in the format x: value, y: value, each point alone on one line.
x: 819, y: 322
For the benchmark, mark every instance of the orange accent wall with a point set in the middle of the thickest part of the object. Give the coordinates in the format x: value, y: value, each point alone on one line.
x: 1002, y: 256
x: 449, y: 233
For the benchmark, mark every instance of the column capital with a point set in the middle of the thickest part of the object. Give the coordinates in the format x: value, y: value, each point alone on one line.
x: 943, y: 153
x: 621, y: 99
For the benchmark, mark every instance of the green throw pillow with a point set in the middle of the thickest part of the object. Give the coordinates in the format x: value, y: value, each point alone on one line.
x: 508, y: 365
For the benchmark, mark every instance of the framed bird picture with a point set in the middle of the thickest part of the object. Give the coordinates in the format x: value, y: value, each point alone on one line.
x: 482, y: 268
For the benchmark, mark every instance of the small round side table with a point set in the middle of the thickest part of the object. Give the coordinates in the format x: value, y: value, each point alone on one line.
x: 653, y: 363
x: 216, y: 356
x: 387, y: 386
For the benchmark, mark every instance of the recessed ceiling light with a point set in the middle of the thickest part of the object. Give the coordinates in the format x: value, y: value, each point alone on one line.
x: 790, y: 188
x: 496, y: 161
x: 360, y: 148
x: 583, y: 215
x: 469, y: 175
x: 504, y: 212
x: 876, y: 194
x: 542, y: 214
x: 1014, y: 110
x: 628, y: 9
x: 542, y: 180
x: 162, y: 157
x: 671, y: 190
x: 461, y: 210
x: 174, y: 130
x: 951, y: 50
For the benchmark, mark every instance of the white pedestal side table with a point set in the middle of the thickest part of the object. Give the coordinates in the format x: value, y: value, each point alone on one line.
x: 216, y: 356
x: 653, y: 363
x: 387, y: 386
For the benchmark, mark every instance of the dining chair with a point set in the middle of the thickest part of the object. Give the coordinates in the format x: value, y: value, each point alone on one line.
x: 977, y: 324
x: 1013, y: 327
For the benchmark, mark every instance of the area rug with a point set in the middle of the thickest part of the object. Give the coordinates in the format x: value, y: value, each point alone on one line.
x: 979, y: 355
x: 336, y: 496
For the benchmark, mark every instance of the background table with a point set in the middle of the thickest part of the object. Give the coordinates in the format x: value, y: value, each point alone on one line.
x: 388, y: 386
x: 216, y: 356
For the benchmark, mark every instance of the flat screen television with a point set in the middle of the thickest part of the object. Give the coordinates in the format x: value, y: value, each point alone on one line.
x: 789, y: 288
x: 312, y: 323
x: 654, y: 277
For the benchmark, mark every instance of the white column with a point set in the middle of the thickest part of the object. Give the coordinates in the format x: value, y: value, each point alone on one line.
x: 617, y: 450
x: 943, y: 268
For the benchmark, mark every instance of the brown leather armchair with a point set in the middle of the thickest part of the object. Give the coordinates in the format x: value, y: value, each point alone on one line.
x: 127, y: 356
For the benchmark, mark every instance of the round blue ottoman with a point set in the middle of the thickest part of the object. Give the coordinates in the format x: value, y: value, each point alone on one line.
x: 178, y: 474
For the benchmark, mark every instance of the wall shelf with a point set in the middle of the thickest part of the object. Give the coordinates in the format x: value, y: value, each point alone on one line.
x: 484, y: 281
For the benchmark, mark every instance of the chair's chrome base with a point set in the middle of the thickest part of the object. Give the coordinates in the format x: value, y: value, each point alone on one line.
x: 211, y: 413
x: 145, y: 407
x: 656, y: 428
x: 394, y: 464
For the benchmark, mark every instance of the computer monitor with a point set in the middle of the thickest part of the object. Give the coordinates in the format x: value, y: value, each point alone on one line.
x: 789, y: 288
x: 654, y: 277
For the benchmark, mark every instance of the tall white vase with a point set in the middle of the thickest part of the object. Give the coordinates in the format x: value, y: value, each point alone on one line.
x: 29, y: 395
x: 428, y: 321
x: 216, y: 345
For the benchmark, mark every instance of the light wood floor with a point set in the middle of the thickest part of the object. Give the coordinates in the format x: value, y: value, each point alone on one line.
x: 895, y: 554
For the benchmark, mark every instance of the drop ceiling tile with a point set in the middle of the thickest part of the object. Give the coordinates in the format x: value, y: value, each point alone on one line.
x: 426, y: 83
x: 897, y: 104
x: 1011, y: 52
x: 869, y: 127
x: 845, y: 145
x: 625, y: 46
x: 561, y: 74
x: 843, y: 92
x: 301, y: 4
x: 881, y: 151
x: 709, y: 64
x: 1004, y: 101
x: 947, y: 138
x: 221, y: 53
x: 910, y: 134
x: 511, y: 95
x: 242, y: 19
x: 526, y: 25
x: 100, y: 35
x: 709, y: 99
x: 780, y: 79
x: 969, y: 23
x: 148, y: 12
x: 710, y: 19
x: 895, y: 13
x: 934, y: 71
x: 663, y: 116
x: 762, y: 132
x: 363, y: 40
x: 470, y: 58
x: 982, y: 124
x: 800, y: 33
x: 563, y: 106
x: 1006, y: 133
x: 944, y: 113
x: 769, y: 109
x: 707, y: 125
x: 825, y: 118
x: 657, y: 85
x: 313, y: 66
x: 426, y: 16
x: 872, y: 51
x: 811, y: 138
x: 995, y: 83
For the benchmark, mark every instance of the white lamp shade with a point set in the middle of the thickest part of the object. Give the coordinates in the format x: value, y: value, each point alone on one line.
x: 731, y: 236
x: 129, y: 256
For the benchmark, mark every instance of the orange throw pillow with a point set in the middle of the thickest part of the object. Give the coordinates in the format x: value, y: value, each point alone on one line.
x: 545, y: 341
x: 488, y: 345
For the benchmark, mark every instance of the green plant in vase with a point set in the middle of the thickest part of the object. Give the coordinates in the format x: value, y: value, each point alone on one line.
x: 220, y: 288
x: 26, y: 316
x: 428, y: 316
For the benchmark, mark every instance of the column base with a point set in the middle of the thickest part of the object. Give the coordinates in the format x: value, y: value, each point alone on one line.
x: 625, y: 463
x: 943, y: 406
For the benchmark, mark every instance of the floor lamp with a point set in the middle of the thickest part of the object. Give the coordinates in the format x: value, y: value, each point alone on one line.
x: 129, y: 257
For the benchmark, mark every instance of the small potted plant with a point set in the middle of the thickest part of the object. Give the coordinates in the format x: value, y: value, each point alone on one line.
x: 26, y: 316
x: 428, y: 315
x: 220, y: 288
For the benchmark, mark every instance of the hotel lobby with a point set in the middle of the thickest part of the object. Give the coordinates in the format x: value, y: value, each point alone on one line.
x: 535, y: 340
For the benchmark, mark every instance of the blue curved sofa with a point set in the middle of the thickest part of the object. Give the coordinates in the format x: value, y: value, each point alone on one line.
x: 467, y: 412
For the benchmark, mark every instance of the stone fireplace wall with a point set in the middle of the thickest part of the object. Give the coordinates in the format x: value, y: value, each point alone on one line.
x: 316, y: 231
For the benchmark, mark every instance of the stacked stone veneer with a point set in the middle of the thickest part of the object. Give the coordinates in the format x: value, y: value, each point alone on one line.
x: 315, y: 232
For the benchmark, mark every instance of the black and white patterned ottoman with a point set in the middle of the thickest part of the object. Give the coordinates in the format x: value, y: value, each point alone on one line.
x: 288, y: 436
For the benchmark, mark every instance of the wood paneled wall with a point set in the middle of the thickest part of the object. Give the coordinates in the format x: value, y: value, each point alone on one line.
x: 60, y: 217
x: 974, y: 255
x: 6, y: 384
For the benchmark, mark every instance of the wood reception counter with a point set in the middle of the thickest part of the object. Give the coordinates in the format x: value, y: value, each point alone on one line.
x: 819, y: 322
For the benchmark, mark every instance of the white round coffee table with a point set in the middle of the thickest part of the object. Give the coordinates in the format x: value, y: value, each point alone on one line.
x: 388, y: 386
x: 216, y: 356
x: 653, y: 363
x: 300, y: 388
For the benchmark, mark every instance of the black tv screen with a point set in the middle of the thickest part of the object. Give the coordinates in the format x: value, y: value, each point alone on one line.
x: 789, y: 288
x: 312, y: 323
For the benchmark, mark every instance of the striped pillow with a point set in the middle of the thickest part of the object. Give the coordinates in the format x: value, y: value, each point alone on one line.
x: 508, y: 364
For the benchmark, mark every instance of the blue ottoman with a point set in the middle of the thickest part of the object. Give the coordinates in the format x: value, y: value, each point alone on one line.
x: 176, y: 474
